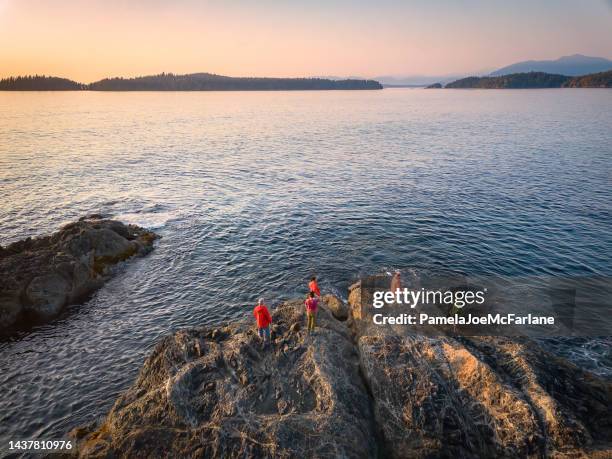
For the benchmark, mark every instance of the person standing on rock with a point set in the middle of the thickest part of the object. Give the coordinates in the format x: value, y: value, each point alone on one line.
x: 314, y: 287
x: 396, y: 282
x: 263, y: 318
x: 312, y: 302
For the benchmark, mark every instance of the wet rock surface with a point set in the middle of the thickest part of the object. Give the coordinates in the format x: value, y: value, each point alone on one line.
x: 40, y: 276
x: 214, y: 392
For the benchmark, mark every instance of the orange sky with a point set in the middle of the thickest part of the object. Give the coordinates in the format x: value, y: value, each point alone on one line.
x: 91, y: 39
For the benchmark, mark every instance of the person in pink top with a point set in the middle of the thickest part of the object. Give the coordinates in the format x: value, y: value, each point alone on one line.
x: 312, y: 302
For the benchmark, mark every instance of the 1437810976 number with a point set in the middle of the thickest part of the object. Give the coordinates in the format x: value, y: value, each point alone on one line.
x: 46, y: 445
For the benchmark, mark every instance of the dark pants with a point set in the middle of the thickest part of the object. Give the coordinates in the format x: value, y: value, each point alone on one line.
x: 264, y: 333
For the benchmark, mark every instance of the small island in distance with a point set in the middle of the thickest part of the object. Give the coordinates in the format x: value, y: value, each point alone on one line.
x: 190, y: 82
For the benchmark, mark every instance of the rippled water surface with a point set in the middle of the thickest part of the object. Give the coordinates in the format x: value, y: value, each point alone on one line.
x: 253, y: 192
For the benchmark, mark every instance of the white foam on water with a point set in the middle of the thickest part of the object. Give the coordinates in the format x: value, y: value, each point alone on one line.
x: 154, y: 220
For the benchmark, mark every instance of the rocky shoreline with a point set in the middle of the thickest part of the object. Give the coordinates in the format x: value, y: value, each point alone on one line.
x: 213, y: 392
x: 40, y: 276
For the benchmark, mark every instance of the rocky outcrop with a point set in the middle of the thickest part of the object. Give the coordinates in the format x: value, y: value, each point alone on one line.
x: 39, y: 276
x: 486, y: 397
x: 214, y: 392
x: 480, y: 397
x: 217, y: 393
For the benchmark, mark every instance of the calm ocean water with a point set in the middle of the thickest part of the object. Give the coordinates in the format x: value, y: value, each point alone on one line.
x: 254, y: 192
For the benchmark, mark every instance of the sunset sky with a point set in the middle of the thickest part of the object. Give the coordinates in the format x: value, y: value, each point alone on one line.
x: 90, y: 39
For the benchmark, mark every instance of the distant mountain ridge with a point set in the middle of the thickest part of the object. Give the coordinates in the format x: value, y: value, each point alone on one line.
x: 190, y: 82
x: 574, y: 65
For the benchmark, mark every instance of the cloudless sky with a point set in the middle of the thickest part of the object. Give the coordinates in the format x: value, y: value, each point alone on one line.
x: 90, y: 39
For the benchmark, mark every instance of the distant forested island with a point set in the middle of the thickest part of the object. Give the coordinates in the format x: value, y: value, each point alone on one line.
x: 593, y: 80
x: 212, y: 82
x: 534, y: 80
x: 39, y: 83
x: 191, y: 82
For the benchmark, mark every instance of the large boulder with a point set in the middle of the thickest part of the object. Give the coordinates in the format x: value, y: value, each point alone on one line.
x: 485, y: 397
x: 47, y: 294
x: 39, y: 276
x: 104, y: 242
x: 480, y: 397
x: 338, y: 308
x: 216, y: 393
x: 354, y: 300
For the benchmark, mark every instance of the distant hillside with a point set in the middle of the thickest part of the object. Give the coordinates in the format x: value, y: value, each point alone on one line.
x: 39, y: 83
x: 574, y: 65
x: 595, y: 80
x: 534, y: 80
x: 211, y: 82
x: 515, y: 81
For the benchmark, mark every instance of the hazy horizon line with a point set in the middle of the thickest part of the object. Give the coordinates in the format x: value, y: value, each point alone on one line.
x: 381, y: 75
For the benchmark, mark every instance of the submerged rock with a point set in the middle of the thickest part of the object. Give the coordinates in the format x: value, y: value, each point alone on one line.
x: 40, y: 276
x: 202, y: 394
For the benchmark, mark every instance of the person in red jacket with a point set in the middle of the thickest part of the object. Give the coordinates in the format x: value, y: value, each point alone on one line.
x: 313, y: 286
x: 262, y: 316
